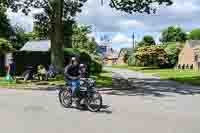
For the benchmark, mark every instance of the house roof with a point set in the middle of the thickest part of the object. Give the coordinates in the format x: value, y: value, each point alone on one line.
x: 40, y: 45
x: 194, y: 43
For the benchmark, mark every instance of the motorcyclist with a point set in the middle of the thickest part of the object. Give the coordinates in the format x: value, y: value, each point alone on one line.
x: 72, y: 75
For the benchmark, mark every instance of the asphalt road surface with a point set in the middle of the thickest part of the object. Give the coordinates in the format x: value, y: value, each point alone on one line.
x: 40, y: 112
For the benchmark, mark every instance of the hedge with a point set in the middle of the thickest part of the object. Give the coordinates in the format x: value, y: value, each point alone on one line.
x: 94, y: 65
x: 24, y: 59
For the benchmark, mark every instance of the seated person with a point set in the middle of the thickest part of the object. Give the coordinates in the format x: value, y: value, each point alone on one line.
x: 41, y: 72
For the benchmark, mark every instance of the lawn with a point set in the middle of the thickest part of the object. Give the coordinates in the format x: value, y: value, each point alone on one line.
x: 103, y: 80
x: 182, y: 76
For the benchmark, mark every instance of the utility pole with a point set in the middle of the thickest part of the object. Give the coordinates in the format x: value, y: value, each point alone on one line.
x: 133, y: 38
x: 102, y: 2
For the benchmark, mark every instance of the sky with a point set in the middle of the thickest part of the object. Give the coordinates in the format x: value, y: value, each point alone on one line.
x: 120, y: 26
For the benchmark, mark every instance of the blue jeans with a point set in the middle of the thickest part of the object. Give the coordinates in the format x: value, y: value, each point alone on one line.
x: 74, y: 85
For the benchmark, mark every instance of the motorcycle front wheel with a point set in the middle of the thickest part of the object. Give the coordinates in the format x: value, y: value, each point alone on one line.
x: 94, y: 102
x: 65, y: 98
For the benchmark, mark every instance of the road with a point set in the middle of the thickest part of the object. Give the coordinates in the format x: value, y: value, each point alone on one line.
x: 40, y: 112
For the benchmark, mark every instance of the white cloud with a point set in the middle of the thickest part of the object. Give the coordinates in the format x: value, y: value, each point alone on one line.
x: 26, y: 22
x: 184, y: 13
x: 121, y: 39
x: 132, y: 23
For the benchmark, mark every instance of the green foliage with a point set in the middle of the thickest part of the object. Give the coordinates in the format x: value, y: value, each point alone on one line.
x: 95, y: 67
x: 5, y: 27
x: 173, y: 50
x: 139, y: 6
x: 81, y: 40
x: 151, y: 56
x: 132, y: 60
x: 195, y: 34
x: 173, y: 34
x: 91, y: 60
x: 147, y: 41
x: 51, y: 21
x: 32, y: 36
x: 55, y: 12
x: 20, y: 38
x: 126, y: 53
x: 5, y: 46
x: 24, y: 59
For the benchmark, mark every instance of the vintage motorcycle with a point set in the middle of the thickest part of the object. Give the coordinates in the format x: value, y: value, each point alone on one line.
x: 88, y: 96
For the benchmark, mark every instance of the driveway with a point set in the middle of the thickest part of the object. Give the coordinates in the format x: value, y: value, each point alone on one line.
x: 141, y: 84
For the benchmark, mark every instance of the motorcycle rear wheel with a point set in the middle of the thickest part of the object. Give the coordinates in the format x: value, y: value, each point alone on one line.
x: 94, y: 102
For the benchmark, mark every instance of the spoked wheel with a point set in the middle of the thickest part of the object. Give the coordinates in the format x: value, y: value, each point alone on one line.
x: 65, y: 98
x: 94, y: 102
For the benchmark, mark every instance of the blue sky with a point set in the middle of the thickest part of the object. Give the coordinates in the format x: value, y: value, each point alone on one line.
x: 120, y: 26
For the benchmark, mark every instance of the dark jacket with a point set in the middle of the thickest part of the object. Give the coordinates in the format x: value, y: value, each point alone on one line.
x: 71, y: 71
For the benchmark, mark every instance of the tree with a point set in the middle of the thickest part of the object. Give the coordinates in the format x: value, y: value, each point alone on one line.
x: 147, y: 41
x: 58, y: 11
x: 55, y: 13
x: 173, y: 34
x: 32, y: 36
x: 195, y: 34
x: 92, y: 47
x: 151, y: 56
x: 20, y: 37
x: 5, y: 46
x: 173, y: 50
x: 5, y: 27
x: 81, y: 40
x: 79, y: 36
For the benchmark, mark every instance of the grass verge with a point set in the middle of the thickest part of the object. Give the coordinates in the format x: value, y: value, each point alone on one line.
x: 103, y: 80
x: 183, y: 76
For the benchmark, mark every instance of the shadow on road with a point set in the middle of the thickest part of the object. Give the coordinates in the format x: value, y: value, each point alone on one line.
x: 105, y: 109
x: 153, y: 87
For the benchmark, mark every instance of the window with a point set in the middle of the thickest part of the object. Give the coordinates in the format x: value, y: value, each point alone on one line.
x: 179, y: 66
x: 183, y: 66
x: 187, y: 66
x: 196, y: 58
x: 191, y: 66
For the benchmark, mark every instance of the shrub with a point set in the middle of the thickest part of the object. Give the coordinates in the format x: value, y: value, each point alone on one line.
x: 92, y: 61
x: 173, y: 50
x: 151, y: 56
x: 5, y: 46
x: 195, y: 34
x: 24, y: 59
x: 95, y: 67
x: 132, y: 60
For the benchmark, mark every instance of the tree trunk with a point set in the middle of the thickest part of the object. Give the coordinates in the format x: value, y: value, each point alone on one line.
x: 57, y: 37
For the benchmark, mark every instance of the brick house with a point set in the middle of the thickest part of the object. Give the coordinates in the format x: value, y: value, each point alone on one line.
x: 113, y: 57
x: 110, y: 57
x: 189, y: 57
